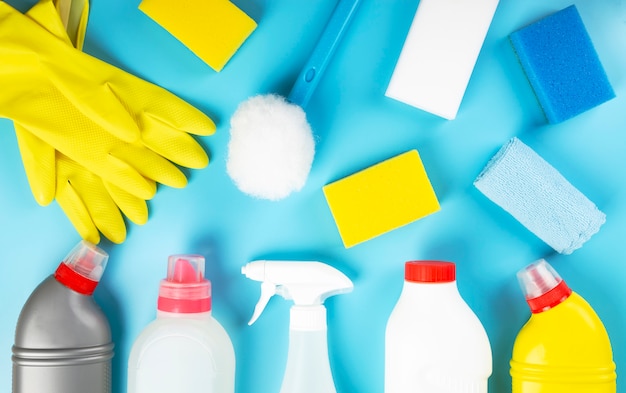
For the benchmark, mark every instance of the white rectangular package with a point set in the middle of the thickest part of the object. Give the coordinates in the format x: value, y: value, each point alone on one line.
x: 439, y: 54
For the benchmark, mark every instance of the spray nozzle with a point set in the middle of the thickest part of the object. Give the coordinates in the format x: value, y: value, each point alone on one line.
x: 307, y: 283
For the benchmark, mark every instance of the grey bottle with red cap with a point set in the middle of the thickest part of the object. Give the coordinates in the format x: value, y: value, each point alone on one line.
x: 63, y: 339
x: 433, y: 341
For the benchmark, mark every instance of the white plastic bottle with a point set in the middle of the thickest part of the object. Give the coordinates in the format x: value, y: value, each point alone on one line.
x: 434, y: 343
x: 185, y: 350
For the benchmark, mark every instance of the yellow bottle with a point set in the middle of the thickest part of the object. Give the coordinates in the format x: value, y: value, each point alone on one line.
x: 564, y: 347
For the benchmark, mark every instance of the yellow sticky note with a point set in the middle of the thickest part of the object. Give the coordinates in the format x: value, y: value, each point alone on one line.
x: 381, y: 198
x: 212, y: 29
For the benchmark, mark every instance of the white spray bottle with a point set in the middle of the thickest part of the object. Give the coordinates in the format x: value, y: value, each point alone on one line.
x: 308, y: 284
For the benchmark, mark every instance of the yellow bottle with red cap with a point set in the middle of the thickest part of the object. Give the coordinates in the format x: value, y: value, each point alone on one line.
x: 564, y: 347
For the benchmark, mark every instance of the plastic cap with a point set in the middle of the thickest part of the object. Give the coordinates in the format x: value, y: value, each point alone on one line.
x: 542, y: 286
x: 429, y: 271
x: 82, y: 268
x: 185, y: 290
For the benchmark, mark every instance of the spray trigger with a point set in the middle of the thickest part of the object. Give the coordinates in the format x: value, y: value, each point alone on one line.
x: 268, y: 289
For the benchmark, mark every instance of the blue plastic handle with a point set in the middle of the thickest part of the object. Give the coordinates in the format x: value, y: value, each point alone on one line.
x: 314, y: 67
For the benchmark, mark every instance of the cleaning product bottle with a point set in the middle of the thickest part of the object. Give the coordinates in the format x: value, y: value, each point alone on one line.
x: 185, y: 350
x: 308, y: 284
x: 433, y: 340
x: 63, y: 339
x: 564, y: 347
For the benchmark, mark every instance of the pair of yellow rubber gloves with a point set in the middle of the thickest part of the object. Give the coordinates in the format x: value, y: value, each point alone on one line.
x: 95, y: 138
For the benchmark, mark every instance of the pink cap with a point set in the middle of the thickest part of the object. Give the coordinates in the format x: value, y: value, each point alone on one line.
x: 82, y: 268
x: 429, y: 271
x: 185, y: 290
x: 542, y: 286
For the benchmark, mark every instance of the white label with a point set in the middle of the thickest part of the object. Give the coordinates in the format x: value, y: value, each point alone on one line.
x: 176, y: 365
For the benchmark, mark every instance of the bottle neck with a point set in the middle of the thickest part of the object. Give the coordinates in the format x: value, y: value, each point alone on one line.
x: 550, y: 299
x: 190, y: 315
x: 307, y: 318
x: 75, y: 281
x: 411, y: 288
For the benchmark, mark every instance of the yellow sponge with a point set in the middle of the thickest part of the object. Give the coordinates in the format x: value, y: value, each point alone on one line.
x: 212, y: 29
x: 380, y: 198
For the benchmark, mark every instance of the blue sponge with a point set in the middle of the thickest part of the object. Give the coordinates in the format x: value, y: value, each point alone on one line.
x: 562, y: 65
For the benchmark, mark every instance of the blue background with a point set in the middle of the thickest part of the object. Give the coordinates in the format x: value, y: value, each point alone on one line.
x: 355, y: 126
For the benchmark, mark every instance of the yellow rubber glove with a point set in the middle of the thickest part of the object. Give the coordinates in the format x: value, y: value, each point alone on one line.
x: 120, y: 127
x: 91, y: 204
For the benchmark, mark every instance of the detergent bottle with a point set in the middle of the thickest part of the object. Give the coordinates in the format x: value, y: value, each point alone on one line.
x: 564, y: 347
x: 63, y: 339
x: 185, y: 350
x: 308, y: 284
x: 434, y: 343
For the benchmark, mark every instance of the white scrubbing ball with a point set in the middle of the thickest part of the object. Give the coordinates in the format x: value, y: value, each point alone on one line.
x: 271, y: 147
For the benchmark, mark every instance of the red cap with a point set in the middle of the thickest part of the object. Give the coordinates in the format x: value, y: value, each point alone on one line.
x: 542, y: 286
x: 82, y: 268
x: 550, y: 299
x: 185, y: 290
x: 429, y: 271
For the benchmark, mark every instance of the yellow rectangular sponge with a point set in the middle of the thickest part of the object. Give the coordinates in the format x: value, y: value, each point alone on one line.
x: 212, y: 29
x: 381, y: 198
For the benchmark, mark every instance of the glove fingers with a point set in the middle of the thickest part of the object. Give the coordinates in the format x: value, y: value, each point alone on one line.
x: 149, y: 164
x: 38, y: 159
x: 185, y: 118
x: 121, y: 173
x: 76, y: 211
x: 104, y: 212
x: 102, y: 105
x: 131, y: 206
x: 86, y: 202
x: 159, y: 103
x: 178, y: 147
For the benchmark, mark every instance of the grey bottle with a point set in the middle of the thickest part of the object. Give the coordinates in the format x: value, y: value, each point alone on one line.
x: 63, y: 339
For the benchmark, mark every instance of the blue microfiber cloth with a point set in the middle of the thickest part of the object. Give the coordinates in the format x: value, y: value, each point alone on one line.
x: 538, y: 196
x: 562, y: 65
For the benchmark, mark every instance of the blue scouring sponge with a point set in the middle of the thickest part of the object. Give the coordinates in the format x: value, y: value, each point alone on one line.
x: 562, y: 65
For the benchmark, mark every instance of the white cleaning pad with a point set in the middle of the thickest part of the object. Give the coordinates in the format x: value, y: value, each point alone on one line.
x: 271, y: 147
x: 439, y: 54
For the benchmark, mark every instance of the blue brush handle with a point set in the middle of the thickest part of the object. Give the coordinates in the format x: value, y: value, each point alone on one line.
x: 309, y: 77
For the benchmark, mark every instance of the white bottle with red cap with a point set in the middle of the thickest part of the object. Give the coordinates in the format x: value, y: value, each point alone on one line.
x: 434, y: 342
x: 185, y: 350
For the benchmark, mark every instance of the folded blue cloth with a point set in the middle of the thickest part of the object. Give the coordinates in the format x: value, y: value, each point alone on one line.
x: 538, y: 196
